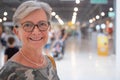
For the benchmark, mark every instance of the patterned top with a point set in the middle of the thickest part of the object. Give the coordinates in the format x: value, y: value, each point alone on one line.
x: 15, y: 71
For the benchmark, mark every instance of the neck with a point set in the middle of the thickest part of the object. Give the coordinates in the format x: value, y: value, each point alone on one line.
x: 32, y: 52
x: 40, y: 62
x: 35, y: 56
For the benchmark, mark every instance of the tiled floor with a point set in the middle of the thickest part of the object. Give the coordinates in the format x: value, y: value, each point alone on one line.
x: 81, y: 62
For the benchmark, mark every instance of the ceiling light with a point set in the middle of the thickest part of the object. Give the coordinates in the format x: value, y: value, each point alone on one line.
x: 110, y: 9
x: 74, y: 13
x: 94, y: 19
x: 102, y: 14
x: 56, y: 16
x: 60, y: 21
x: 53, y: 13
x: 5, y: 14
x: 97, y: 27
x: 0, y: 20
x: 77, y: 1
x: 4, y: 18
x: 97, y: 17
x: 103, y: 26
x: 90, y: 21
x: 73, y: 19
x: 75, y: 9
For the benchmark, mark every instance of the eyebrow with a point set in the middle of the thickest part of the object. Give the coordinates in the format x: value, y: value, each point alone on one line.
x: 33, y: 22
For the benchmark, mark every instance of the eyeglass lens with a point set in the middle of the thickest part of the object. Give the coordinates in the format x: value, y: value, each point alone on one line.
x: 29, y: 26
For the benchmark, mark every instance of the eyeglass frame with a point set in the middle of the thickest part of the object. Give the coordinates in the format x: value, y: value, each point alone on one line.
x: 34, y: 25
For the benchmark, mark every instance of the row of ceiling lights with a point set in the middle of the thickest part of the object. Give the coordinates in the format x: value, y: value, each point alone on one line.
x: 97, y: 17
x: 73, y: 17
x: 60, y: 20
x: 103, y: 25
x: 75, y: 14
x: 4, y: 18
x: 53, y: 14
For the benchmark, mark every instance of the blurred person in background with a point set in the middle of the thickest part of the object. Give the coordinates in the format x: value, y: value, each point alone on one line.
x: 2, y: 46
x: 48, y: 44
x: 32, y: 24
x: 57, y: 46
x: 63, y: 38
x: 2, y: 40
x: 11, y: 48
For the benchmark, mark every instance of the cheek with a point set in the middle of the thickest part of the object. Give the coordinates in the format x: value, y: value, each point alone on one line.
x: 46, y: 36
x: 21, y: 35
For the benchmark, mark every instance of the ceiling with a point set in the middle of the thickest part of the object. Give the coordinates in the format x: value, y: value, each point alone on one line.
x: 64, y: 8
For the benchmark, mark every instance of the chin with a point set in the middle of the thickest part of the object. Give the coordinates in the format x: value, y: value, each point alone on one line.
x: 37, y: 45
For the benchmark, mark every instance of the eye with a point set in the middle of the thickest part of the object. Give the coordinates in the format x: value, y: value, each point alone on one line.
x: 27, y: 24
x: 40, y: 24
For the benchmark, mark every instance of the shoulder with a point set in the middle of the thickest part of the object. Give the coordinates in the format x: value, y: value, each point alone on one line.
x: 52, y: 61
x: 16, y: 48
x: 6, y: 70
x: 12, y: 71
x: 6, y: 50
x: 9, y: 66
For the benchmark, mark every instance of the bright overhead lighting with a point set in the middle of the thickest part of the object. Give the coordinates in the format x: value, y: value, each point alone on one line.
x: 53, y: 13
x: 77, y: 1
x: 97, y: 17
x: 0, y: 20
x: 73, y: 19
x: 4, y: 18
x: 102, y: 14
x: 103, y: 26
x: 56, y: 16
x: 97, y: 27
x: 93, y: 19
x: 90, y: 21
x: 110, y: 9
x: 5, y: 14
x: 74, y: 13
x: 75, y: 9
x: 60, y: 21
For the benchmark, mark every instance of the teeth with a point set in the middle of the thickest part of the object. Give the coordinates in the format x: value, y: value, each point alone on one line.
x: 36, y: 39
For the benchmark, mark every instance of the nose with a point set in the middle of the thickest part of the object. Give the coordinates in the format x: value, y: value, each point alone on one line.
x: 35, y: 29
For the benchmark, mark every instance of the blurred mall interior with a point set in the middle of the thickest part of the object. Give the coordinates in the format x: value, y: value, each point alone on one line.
x: 89, y: 47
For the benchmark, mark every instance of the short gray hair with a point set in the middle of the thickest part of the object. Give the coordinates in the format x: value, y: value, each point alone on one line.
x: 27, y: 7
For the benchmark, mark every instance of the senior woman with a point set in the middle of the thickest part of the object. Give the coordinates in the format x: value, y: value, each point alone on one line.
x: 32, y: 25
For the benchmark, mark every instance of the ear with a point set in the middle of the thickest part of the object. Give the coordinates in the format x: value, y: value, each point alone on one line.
x: 16, y: 32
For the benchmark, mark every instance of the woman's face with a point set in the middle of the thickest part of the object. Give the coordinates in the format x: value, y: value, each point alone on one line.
x: 36, y: 38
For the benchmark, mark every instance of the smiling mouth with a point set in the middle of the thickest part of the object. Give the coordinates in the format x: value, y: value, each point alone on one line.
x: 36, y: 39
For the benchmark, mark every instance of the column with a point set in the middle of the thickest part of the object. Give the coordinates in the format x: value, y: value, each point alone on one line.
x: 117, y: 39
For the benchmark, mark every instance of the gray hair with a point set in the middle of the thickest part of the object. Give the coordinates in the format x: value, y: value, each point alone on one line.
x: 27, y: 7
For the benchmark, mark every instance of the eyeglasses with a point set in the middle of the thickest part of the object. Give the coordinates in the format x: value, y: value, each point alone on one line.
x: 41, y: 25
